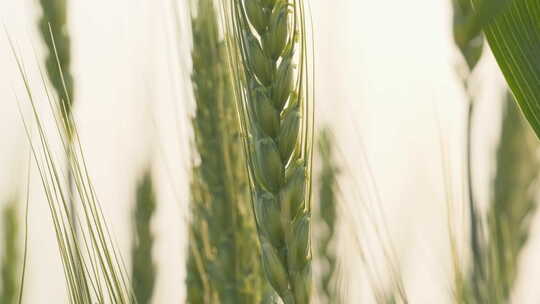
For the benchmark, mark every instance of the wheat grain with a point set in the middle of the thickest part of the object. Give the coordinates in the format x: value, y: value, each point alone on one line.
x: 268, y: 57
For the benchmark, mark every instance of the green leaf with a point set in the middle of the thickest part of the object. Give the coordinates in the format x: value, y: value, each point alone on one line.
x: 514, y: 38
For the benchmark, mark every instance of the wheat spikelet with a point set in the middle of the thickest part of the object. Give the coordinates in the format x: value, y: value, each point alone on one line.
x: 268, y: 53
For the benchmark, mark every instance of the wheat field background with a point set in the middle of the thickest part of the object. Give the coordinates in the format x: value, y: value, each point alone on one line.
x: 385, y: 81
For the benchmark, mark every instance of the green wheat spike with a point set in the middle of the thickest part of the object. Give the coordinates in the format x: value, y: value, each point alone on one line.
x: 10, y: 258
x: 53, y: 28
x: 54, y: 32
x: 143, y: 267
x: 223, y: 263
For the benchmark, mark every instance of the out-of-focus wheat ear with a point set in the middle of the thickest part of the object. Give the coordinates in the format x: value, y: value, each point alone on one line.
x: 93, y: 268
x: 55, y: 34
x: 327, y: 218
x: 513, y: 200
x: 54, y: 31
x: 143, y: 270
x: 223, y: 262
x: 268, y: 56
x: 9, y: 272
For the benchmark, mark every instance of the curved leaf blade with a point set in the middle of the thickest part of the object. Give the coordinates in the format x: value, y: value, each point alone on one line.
x: 514, y: 38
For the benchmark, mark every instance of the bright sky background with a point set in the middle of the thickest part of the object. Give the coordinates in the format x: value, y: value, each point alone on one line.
x: 385, y: 82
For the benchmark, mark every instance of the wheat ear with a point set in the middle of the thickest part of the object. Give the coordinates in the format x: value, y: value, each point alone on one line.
x: 327, y: 215
x: 268, y: 57
x: 223, y: 264
x: 53, y: 29
x: 54, y: 32
x: 93, y: 270
x: 142, y: 266
x: 10, y: 259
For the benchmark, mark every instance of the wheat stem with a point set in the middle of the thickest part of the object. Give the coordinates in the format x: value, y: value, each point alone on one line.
x: 470, y: 41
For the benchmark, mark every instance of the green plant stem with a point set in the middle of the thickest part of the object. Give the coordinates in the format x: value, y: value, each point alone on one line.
x: 469, y: 40
x: 475, y: 220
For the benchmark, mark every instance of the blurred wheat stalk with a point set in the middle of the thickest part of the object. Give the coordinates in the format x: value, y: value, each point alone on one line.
x: 470, y: 41
x: 223, y: 263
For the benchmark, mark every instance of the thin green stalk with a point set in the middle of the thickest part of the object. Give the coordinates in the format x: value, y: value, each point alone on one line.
x: 11, y: 255
x: 327, y: 218
x: 143, y: 272
x: 470, y: 41
x: 223, y: 263
x: 268, y: 56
